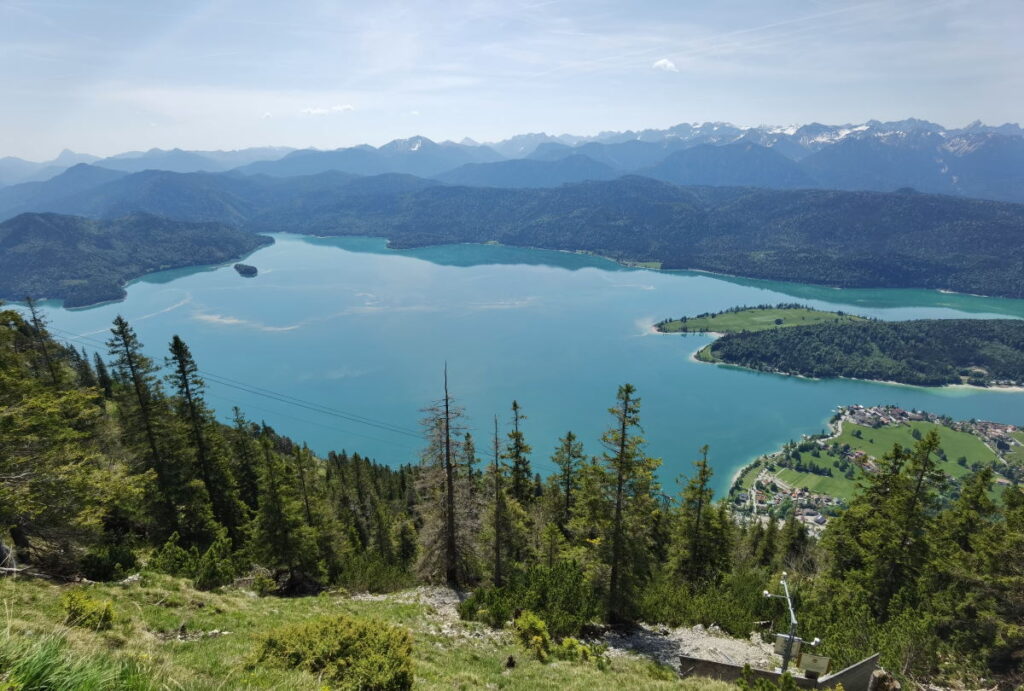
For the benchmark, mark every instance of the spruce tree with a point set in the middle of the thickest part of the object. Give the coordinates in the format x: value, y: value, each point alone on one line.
x: 631, y: 484
x: 568, y: 457
x: 518, y: 453
x: 103, y: 376
x: 143, y: 404
x: 498, y: 518
x: 43, y: 344
x: 446, y: 504
x: 210, y: 449
x: 694, y: 562
x: 282, y: 540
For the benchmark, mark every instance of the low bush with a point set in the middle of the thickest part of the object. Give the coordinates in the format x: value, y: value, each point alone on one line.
x: 369, y: 573
x: 174, y: 560
x: 532, y: 633
x: 560, y: 595
x: 734, y: 604
x: 345, y: 651
x: 215, y: 567
x: 82, y: 609
x: 108, y: 563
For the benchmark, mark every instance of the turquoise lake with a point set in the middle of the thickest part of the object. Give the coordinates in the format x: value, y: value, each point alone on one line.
x: 348, y: 324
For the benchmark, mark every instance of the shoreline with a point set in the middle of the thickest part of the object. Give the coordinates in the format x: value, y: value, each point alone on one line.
x: 1012, y: 388
x: 1015, y: 388
x: 638, y: 266
x: 135, y: 279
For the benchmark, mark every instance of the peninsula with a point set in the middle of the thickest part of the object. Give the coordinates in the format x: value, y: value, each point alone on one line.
x: 924, y: 352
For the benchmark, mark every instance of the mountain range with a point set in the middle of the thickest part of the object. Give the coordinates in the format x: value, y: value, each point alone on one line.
x: 976, y: 161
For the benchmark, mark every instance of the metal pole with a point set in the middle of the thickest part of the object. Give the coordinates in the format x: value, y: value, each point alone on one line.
x: 792, y: 627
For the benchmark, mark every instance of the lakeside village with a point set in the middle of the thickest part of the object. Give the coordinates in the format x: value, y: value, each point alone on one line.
x: 815, y: 477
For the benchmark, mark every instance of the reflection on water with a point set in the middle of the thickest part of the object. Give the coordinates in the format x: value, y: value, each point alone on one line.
x: 347, y: 324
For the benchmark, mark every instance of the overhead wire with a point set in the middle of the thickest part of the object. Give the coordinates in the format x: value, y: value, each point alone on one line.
x: 287, y: 399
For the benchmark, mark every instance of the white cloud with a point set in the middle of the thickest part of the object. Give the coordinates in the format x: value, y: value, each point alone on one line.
x: 665, y: 65
x: 266, y: 116
x: 343, y: 108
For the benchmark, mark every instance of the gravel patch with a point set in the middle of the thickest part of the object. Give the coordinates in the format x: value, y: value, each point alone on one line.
x: 442, y: 615
x: 665, y: 645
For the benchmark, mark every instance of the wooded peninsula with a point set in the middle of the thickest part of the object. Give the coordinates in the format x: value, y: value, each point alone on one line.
x: 924, y: 352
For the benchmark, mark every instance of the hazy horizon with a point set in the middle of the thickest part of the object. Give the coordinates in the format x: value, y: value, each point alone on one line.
x: 583, y: 135
x: 113, y: 76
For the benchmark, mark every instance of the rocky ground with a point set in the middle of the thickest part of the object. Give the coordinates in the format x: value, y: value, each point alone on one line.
x: 659, y: 643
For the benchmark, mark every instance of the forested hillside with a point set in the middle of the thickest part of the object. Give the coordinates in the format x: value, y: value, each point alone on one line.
x: 114, y: 463
x: 927, y: 352
x: 863, y: 239
x: 84, y: 262
x: 847, y: 239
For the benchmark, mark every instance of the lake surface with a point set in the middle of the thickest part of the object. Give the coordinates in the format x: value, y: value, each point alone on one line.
x: 348, y: 324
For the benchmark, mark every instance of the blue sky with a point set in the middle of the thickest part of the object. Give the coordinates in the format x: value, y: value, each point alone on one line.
x: 104, y: 76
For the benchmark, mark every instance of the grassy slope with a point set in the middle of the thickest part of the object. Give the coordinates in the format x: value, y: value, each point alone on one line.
x: 1017, y: 454
x: 755, y: 320
x: 152, y: 611
x: 877, y: 442
x: 837, y: 485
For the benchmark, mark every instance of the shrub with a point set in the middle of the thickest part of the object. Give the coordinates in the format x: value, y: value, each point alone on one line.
x: 369, y: 573
x: 264, y: 585
x: 173, y: 560
x: 346, y: 651
x: 215, y: 567
x: 560, y: 595
x: 81, y: 609
x: 532, y: 632
x: 108, y: 563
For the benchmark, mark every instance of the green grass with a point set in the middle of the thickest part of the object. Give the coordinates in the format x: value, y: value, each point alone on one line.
x: 1016, y: 455
x: 142, y: 650
x: 749, y: 476
x: 877, y: 442
x: 754, y: 320
x: 836, y: 486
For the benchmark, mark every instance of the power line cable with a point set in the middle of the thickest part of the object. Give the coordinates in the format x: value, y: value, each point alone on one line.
x: 273, y: 395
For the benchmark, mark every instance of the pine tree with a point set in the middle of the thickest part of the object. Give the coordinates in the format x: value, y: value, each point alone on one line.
x: 695, y: 562
x: 499, y: 518
x: 103, y: 376
x: 446, y: 503
x: 632, y: 486
x: 207, y: 443
x: 568, y: 457
x: 42, y: 342
x: 83, y: 370
x: 517, y: 452
x: 144, y: 400
x: 281, y: 538
x: 246, y: 469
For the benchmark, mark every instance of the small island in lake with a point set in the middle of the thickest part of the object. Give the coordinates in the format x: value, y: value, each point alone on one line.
x: 923, y: 352
x: 246, y: 270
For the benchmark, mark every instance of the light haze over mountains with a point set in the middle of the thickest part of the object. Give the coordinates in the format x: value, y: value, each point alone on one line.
x: 977, y: 161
